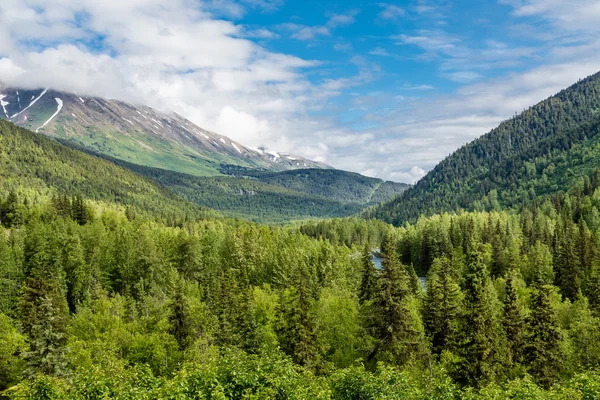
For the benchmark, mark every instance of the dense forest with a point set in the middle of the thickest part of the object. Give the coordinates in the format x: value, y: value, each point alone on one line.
x: 98, y: 302
x: 113, y: 287
x: 37, y: 168
x: 344, y: 186
x: 536, y: 153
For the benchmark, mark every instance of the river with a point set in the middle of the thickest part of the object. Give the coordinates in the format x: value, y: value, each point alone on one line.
x: 377, y: 261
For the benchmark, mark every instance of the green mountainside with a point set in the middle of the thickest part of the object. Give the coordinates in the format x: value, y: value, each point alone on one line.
x: 335, y: 184
x: 273, y: 197
x: 114, y: 306
x: 113, y: 287
x: 538, y: 152
x: 35, y: 165
x: 136, y: 133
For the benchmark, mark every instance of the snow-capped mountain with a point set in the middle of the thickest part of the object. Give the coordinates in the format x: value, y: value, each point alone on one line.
x: 136, y: 133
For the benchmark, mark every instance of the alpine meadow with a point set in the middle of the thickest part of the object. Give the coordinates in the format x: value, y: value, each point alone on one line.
x: 352, y: 233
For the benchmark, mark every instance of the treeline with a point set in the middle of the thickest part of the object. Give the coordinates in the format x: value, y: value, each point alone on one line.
x: 120, y: 306
x: 539, y: 152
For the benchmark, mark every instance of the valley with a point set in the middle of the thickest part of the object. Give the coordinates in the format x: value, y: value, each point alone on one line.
x: 143, y: 257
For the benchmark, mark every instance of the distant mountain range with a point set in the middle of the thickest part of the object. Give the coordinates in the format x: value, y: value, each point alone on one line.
x: 202, y: 167
x: 273, y: 197
x: 137, y: 134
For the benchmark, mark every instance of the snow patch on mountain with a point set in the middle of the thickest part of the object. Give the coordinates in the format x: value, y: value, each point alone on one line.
x: 235, y: 147
x: 58, y: 108
x: 4, y: 103
x: 33, y: 101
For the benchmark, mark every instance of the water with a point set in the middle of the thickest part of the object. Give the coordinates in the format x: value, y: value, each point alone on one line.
x: 378, y: 263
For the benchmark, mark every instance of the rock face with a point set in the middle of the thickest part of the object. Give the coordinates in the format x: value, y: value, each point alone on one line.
x: 136, y: 133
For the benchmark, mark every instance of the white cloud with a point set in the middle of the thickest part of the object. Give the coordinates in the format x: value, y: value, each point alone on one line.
x: 261, y: 33
x: 390, y: 11
x: 342, y: 19
x: 172, y: 55
x: 409, y: 86
x: 380, y: 51
x: 463, y: 76
x: 308, y: 33
x: 311, y: 32
x: 265, y: 5
x: 572, y: 15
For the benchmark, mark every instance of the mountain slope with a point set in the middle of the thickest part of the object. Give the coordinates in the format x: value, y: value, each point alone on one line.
x: 513, y: 163
x: 32, y: 163
x: 137, y: 134
x: 334, y: 184
x: 269, y: 197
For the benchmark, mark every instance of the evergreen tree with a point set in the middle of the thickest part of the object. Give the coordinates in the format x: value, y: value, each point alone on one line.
x: 566, y: 259
x: 481, y: 345
x: 584, y: 335
x: 442, y: 308
x: 179, y: 318
x: 514, y: 320
x: 10, y: 211
x: 593, y: 287
x: 544, y: 354
x: 370, y: 275
x: 297, y: 329
x: 44, y: 318
x: 400, y: 332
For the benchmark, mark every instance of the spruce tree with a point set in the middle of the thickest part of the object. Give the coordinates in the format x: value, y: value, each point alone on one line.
x: 442, y: 308
x: 370, y: 275
x: 44, y: 319
x: 400, y: 328
x: 514, y: 320
x: 179, y: 318
x: 567, y: 260
x: 10, y: 211
x: 297, y: 328
x: 481, y: 345
x: 544, y: 354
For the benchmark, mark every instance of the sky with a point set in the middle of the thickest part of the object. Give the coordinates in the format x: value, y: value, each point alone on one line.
x: 386, y: 89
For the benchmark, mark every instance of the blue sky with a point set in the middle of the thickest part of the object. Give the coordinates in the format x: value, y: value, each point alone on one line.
x: 386, y: 89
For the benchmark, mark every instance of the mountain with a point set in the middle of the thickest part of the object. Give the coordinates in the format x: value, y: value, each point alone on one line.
x: 337, y: 185
x: 135, y: 133
x: 38, y: 166
x: 543, y: 150
x: 181, y: 157
x: 273, y: 197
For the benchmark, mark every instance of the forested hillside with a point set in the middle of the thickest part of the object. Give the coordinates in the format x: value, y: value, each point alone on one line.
x: 248, y: 198
x: 538, y: 152
x: 128, y: 308
x: 269, y: 197
x: 344, y: 186
x: 36, y: 167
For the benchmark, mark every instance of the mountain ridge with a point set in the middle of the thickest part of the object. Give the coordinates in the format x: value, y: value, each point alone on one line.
x: 256, y: 196
x: 136, y: 133
x: 482, y: 173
